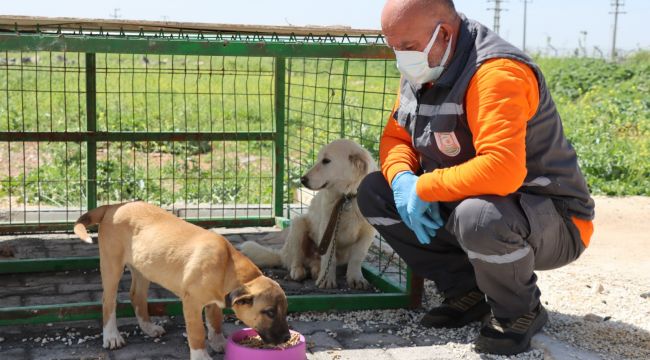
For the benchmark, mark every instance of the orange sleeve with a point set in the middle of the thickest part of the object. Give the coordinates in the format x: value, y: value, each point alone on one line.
x: 502, y: 96
x: 396, y: 154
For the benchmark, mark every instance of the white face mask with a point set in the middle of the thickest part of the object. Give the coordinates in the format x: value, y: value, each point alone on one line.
x: 414, y: 65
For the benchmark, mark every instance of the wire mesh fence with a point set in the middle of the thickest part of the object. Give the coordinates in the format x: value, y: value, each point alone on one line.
x: 41, y: 93
x: 46, y: 92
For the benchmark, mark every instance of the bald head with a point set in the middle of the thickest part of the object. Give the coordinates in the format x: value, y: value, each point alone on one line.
x: 409, y: 24
x: 397, y: 11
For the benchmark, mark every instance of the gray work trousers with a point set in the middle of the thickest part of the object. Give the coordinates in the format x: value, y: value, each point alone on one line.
x: 491, y: 242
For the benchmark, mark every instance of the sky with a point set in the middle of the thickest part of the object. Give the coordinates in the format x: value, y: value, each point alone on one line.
x: 562, y: 22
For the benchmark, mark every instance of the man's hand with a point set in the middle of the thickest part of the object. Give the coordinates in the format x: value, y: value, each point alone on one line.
x: 434, y: 212
x: 417, y: 214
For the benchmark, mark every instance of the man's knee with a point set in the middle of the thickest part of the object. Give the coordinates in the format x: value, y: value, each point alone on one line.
x: 370, y: 191
x: 484, y: 224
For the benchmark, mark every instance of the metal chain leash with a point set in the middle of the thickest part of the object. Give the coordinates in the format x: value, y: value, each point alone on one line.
x: 333, y: 244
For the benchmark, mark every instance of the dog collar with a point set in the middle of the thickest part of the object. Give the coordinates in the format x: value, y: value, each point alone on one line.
x: 227, y: 300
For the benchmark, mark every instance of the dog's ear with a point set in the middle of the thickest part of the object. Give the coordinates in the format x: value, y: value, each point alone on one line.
x: 239, y: 296
x: 360, y: 162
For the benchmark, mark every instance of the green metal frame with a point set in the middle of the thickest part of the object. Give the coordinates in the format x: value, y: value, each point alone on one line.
x: 188, y: 46
x: 392, y: 296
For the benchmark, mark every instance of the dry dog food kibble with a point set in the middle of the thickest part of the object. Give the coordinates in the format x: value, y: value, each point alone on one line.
x: 256, y: 342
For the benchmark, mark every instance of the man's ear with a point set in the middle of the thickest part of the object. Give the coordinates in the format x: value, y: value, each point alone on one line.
x: 360, y: 162
x: 239, y: 296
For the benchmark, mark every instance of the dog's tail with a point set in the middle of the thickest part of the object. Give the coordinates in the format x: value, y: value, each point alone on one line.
x: 92, y: 217
x: 261, y: 255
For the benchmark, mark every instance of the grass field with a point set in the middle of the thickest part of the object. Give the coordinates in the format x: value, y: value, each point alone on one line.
x: 605, y: 109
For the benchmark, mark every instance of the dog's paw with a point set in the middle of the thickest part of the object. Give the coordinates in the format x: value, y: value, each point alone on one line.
x: 327, y: 283
x: 358, y: 282
x: 199, y: 354
x: 314, y: 271
x: 297, y: 273
x: 151, y: 329
x: 113, y: 340
x: 216, y: 341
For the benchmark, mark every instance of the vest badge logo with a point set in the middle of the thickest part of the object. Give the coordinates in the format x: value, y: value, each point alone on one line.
x: 447, y: 143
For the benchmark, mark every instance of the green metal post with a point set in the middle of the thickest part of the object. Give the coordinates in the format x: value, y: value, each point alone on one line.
x: 344, y: 86
x: 280, y: 81
x: 91, y: 126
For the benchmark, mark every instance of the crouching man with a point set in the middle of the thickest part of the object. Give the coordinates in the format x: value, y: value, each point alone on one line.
x: 478, y: 185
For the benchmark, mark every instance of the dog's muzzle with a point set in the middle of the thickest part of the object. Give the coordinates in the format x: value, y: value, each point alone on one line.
x: 275, y: 336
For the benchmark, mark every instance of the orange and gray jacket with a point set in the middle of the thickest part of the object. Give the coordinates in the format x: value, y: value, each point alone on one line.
x: 487, y: 126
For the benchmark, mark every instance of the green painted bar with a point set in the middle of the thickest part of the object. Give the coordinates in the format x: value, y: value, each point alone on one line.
x: 94, y: 136
x: 81, y: 311
x: 173, y: 307
x: 15, y: 266
x: 67, y: 227
x: 91, y: 126
x: 137, y: 45
x: 386, y: 285
x: 280, y: 81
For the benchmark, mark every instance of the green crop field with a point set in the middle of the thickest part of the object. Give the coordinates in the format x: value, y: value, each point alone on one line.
x: 604, y: 106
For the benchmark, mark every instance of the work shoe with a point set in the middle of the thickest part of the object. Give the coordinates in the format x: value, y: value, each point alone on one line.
x: 510, y: 337
x: 457, y: 312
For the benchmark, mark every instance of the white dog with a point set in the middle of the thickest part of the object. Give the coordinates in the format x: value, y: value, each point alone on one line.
x: 341, y: 167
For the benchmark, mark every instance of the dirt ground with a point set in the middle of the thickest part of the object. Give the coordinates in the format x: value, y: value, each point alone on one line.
x: 621, y: 242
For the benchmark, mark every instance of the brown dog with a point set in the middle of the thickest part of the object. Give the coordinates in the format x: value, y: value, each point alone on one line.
x: 202, y: 268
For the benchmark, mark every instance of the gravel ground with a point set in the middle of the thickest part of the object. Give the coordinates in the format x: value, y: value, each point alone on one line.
x: 599, y: 307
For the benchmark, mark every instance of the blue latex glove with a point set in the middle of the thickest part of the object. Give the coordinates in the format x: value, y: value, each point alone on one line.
x: 416, y: 213
x: 434, y: 213
x: 403, y: 183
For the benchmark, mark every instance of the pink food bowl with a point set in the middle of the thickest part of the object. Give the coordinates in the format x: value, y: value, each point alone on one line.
x: 234, y: 351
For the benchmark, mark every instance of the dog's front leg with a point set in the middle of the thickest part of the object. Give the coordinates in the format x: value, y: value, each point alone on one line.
x: 357, y: 253
x: 214, y: 315
x: 327, y: 275
x: 195, y: 330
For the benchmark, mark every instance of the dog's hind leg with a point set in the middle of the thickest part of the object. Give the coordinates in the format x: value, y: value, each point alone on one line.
x: 139, y: 289
x: 111, y: 272
x: 214, y: 317
x: 292, y: 251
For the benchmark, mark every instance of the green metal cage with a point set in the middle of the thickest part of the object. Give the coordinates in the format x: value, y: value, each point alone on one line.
x: 214, y: 123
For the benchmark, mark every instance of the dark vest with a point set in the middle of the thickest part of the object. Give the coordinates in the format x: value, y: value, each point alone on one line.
x: 437, y: 122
